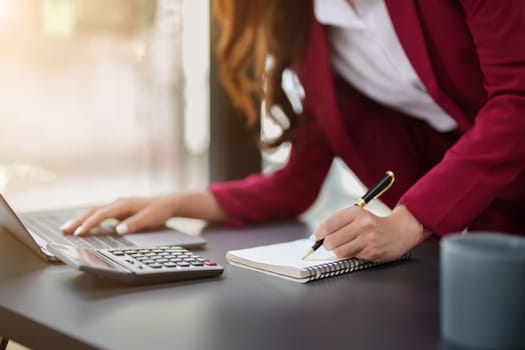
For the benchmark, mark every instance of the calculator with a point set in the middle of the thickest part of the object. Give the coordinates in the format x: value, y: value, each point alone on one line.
x: 138, y: 265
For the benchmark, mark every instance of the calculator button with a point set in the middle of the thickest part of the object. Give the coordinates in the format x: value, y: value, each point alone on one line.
x: 155, y: 265
x: 183, y: 264
x: 197, y: 263
x: 210, y: 263
x: 174, y: 249
x: 170, y: 264
x: 117, y: 252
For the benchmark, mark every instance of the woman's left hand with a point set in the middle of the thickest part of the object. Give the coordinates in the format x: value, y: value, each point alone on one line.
x: 356, y: 232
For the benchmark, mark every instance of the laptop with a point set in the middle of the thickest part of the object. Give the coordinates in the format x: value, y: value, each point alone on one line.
x: 38, y: 229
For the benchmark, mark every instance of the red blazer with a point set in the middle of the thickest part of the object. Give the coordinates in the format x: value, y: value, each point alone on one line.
x: 470, y: 55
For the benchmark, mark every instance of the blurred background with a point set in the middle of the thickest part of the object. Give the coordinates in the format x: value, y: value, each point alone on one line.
x: 102, y: 98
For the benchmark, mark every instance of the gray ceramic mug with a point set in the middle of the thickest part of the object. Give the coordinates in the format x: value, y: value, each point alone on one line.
x: 483, y: 290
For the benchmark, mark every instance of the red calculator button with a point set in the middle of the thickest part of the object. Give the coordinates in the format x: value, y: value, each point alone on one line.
x: 210, y: 263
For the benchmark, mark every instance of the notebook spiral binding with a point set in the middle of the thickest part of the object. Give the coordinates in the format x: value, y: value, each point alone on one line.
x: 344, y: 266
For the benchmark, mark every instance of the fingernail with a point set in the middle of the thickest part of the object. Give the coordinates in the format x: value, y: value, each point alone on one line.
x: 122, y: 229
x: 110, y: 222
x: 78, y: 231
x: 66, y: 225
x: 312, y: 238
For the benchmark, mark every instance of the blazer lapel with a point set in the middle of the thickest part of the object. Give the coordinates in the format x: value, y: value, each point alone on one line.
x: 405, y: 18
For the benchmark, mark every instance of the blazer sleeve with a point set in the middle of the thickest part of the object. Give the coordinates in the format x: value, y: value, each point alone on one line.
x: 491, y: 155
x: 285, y: 193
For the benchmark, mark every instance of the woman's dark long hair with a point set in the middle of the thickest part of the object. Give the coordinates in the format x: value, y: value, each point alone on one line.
x: 251, y: 31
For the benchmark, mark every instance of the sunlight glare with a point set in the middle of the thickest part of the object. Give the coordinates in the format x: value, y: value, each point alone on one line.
x: 6, y: 8
x: 59, y: 17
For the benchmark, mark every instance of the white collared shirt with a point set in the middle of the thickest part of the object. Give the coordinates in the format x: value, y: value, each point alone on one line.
x: 365, y: 51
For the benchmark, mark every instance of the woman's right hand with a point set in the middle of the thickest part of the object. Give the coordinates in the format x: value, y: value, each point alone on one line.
x: 139, y: 213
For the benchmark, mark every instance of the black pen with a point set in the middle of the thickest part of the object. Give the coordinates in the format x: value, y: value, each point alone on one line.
x: 375, y: 191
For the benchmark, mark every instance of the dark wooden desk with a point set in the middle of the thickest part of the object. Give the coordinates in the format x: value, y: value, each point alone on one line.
x: 54, y: 307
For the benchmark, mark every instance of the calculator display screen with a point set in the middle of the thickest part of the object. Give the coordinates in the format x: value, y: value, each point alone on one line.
x: 82, y: 257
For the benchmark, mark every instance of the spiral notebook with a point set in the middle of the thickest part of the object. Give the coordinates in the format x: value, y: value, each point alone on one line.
x: 284, y: 260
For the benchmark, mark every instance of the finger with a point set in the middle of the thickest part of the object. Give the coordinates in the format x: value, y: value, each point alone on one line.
x: 71, y: 225
x: 350, y: 249
x: 340, y: 237
x: 362, y: 223
x: 117, y: 210
x: 369, y: 253
x: 140, y: 221
x: 336, y: 222
x: 367, y: 246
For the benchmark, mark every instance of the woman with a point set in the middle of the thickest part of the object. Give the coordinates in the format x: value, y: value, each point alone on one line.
x: 433, y: 90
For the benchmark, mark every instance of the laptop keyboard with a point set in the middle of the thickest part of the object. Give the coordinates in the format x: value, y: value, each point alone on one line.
x: 47, y: 226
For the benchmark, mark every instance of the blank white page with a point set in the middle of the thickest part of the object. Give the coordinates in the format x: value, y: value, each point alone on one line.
x: 285, y: 254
